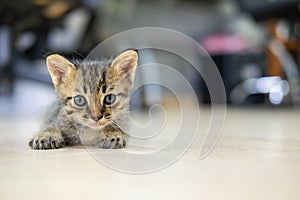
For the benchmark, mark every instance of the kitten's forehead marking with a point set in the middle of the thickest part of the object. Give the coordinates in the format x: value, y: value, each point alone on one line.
x: 92, y: 73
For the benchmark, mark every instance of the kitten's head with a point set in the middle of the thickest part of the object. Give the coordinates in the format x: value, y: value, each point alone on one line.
x: 95, y: 93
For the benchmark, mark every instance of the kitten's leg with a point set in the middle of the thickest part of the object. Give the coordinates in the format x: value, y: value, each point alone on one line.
x: 50, y: 138
x: 113, y: 140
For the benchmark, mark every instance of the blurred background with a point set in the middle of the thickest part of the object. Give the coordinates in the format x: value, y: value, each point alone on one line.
x: 255, y: 45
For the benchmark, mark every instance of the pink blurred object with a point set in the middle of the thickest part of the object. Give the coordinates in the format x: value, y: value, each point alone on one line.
x: 224, y: 44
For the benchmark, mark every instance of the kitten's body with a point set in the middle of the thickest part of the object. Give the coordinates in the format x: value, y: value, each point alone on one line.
x: 92, y: 103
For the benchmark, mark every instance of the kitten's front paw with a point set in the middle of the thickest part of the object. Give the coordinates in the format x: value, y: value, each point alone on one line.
x: 46, y: 140
x: 112, y: 142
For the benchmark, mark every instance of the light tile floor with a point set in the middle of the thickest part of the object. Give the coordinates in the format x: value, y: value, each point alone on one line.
x: 257, y: 157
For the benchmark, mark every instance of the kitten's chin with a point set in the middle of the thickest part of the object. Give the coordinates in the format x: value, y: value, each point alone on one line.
x: 95, y: 125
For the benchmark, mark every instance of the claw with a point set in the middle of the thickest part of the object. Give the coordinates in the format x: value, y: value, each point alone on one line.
x: 45, y: 140
x: 113, y: 142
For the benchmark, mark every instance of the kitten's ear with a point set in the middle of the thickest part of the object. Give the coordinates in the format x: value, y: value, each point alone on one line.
x: 125, y: 64
x: 62, y: 72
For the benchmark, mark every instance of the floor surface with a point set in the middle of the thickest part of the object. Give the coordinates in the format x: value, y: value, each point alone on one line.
x: 257, y: 157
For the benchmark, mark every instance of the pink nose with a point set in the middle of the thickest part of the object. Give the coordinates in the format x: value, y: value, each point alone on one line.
x: 97, y: 118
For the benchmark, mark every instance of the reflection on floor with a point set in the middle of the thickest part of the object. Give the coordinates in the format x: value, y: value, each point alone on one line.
x: 257, y: 157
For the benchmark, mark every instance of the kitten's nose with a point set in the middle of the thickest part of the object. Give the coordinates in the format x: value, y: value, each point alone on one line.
x: 97, y: 118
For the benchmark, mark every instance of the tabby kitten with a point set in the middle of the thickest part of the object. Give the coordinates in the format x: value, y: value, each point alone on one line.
x: 92, y: 103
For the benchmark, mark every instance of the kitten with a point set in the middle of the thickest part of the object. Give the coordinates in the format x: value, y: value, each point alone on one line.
x: 92, y: 104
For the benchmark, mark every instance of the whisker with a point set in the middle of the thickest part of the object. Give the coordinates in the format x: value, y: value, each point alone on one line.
x: 116, y: 124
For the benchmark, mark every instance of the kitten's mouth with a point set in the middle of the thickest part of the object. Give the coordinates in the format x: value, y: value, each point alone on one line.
x: 101, y: 123
x: 97, y: 124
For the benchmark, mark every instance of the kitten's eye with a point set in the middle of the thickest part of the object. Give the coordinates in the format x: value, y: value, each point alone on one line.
x: 79, y: 100
x: 109, y: 99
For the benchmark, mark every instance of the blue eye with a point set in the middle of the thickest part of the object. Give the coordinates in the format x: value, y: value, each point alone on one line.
x: 79, y: 100
x: 109, y: 99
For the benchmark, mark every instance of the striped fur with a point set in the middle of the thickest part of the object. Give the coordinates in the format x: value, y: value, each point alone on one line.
x: 97, y: 122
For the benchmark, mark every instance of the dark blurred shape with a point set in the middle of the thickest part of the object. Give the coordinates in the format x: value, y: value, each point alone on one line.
x: 270, y: 73
x: 25, y: 27
x: 266, y: 9
x: 280, y: 18
x: 234, y: 69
